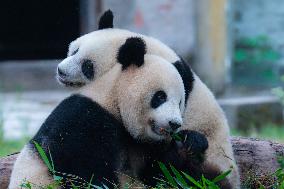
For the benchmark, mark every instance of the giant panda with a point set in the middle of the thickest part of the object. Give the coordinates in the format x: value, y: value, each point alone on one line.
x: 92, y: 55
x: 120, y: 122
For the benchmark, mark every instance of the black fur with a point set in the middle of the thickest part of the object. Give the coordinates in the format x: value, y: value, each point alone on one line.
x: 186, y: 155
x: 186, y: 75
x: 88, y: 69
x: 83, y: 139
x: 132, y: 52
x: 106, y: 20
x: 158, y: 99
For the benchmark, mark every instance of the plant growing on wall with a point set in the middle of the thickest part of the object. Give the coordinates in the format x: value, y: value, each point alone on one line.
x: 254, y: 61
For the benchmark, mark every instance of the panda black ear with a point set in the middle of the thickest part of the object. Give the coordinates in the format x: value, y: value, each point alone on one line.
x: 132, y: 52
x: 106, y: 20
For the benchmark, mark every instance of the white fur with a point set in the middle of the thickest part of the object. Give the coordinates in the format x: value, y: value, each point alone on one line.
x: 205, y: 115
x: 202, y: 112
x: 128, y: 94
x: 137, y: 86
x: 102, y: 46
x: 30, y: 167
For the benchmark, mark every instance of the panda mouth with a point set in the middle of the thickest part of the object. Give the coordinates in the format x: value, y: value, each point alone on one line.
x: 70, y: 83
x: 161, y: 131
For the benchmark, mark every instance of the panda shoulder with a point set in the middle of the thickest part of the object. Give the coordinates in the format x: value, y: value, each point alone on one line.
x: 186, y: 74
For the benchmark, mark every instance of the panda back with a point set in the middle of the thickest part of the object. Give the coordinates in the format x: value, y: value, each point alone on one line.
x: 83, y: 139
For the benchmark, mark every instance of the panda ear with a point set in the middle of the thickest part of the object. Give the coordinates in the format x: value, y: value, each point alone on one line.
x: 132, y: 52
x: 106, y: 20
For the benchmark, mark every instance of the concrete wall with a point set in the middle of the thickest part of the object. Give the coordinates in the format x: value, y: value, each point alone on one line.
x: 260, y: 17
x: 171, y: 21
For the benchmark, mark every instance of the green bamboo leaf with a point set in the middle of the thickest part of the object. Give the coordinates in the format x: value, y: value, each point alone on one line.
x: 97, y: 187
x: 90, y: 182
x: 204, y: 182
x: 282, y: 185
x: 50, y: 157
x: 192, y: 180
x: 57, y: 178
x: 167, y: 175
x: 261, y: 186
x: 106, y: 187
x: 222, y: 176
x: 179, y: 176
x: 44, y: 157
x: 176, y: 137
x: 74, y: 186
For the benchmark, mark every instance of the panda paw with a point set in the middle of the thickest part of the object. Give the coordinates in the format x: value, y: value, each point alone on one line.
x: 192, y: 144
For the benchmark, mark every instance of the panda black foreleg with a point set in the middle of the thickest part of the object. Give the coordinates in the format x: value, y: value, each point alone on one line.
x: 186, y: 155
x: 191, y: 151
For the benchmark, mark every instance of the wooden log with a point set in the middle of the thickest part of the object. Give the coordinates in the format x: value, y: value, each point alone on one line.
x: 256, y: 160
x: 6, y: 165
x: 253, y: 156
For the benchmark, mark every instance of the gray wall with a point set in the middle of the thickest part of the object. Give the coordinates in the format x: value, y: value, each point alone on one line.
x: 171, y: 21
x: 260, y: 17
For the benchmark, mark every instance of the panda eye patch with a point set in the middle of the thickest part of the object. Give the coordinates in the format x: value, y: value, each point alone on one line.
x: 74, y: 52
x: 159, y: 98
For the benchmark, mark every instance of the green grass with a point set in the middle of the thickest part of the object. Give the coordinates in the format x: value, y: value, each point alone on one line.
x: 268, y: 131
x: 9, y: 147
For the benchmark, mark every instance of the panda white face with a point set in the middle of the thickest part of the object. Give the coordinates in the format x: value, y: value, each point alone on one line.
x: 90, y: 56
x: 163, y: 115
x: 151, y: 103
x: 160, y: 103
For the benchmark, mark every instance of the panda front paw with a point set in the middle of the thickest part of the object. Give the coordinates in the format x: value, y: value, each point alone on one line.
x: 192, y: 144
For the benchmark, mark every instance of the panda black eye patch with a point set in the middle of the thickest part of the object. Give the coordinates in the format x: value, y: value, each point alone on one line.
x: 74, y: 52
x: 159, y: 98
x: 88, y: 69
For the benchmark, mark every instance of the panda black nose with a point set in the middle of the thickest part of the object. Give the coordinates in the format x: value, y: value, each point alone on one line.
x: 174, y: 125
x: 61, y: 73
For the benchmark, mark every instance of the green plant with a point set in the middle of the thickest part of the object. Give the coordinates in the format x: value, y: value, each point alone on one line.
x: 73, y: 181
x: 8, y: 146
x: 254, y: 59
x: 268, y: 131
x: 255, y: 51
x: 177, y: 179
x: 279, y: 92
x: 173, y: 178
x: 272, y: 181
x: 279, y: 174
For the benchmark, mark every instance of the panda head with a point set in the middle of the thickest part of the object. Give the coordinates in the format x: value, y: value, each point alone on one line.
x: 91, y: 55
x: 150, y: 93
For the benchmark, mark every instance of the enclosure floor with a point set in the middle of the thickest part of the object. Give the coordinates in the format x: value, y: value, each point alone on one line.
x: 22, y: 113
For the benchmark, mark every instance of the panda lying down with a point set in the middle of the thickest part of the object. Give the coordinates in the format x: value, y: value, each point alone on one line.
x: 120, y: 129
